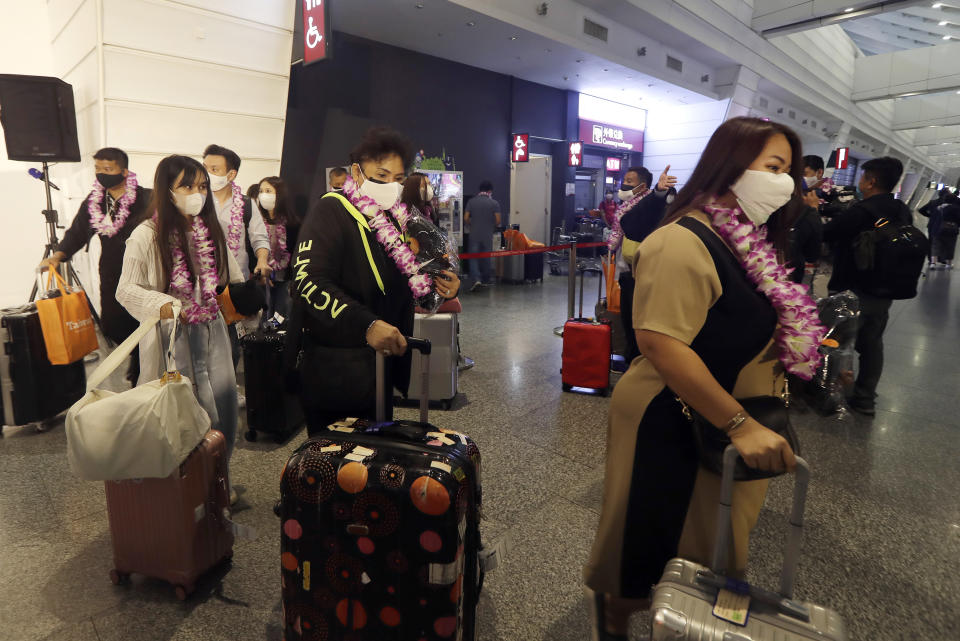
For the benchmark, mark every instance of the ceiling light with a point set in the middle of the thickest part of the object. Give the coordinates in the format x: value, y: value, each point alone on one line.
x: 946, y: 37
x: 419, y: 5
x: 942, y: 23
x: 848, y: 10
x: 937, y: 5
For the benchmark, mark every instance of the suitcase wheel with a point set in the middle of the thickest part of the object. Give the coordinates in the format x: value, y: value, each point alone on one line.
x: 119, y: 578
x: 566, y: 387
x: 605, y: 392
x: 446, y: 405
x: 182, y: 592
x: 251, y: 436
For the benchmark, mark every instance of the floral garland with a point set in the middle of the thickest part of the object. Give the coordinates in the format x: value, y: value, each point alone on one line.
x: 616, y: 231
x: 99, y: 221
x: 235, y: 232
x: 279, y: 256
x: 182, y: 282
x: 389, y: 237
x: 799, y: 331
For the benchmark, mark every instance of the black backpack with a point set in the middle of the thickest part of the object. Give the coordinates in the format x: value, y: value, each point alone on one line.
x: 890, y: 257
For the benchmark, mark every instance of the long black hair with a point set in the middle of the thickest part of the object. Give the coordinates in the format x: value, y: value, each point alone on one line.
x: 172, y: 226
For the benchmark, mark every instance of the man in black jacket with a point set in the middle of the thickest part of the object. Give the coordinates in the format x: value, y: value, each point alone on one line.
x: 638, y: 223
x: 880, y: 177
x: 112, y: 210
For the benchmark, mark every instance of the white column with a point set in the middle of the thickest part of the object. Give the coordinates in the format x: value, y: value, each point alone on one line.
x: 739, y: 84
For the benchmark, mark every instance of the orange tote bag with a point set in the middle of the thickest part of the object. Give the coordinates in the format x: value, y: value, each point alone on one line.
x: 613, y: 286
x: 67, y: 325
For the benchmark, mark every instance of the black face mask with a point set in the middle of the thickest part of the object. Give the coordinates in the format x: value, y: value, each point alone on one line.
x: 110, y: 180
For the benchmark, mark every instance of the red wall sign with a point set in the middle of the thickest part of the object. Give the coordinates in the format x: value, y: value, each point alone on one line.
x: 316, y: 32
x: 575, y: 155
x: 520, y: 151
x: 613, y: 164
x: 843, y: 155
x: 611, y: 136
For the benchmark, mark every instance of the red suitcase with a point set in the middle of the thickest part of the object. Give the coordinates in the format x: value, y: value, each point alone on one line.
x: 174, y: 528
x: 586, y: 350
x: 380, y: 536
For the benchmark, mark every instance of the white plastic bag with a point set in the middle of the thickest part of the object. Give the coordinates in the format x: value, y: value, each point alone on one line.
x: 145, y: 432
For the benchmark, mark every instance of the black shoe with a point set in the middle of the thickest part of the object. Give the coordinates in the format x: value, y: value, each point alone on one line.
x: 860, y: 406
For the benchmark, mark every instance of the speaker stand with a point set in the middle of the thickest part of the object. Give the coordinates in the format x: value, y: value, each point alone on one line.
x: 53, y: 224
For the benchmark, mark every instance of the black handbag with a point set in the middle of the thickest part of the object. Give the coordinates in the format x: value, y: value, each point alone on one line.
x: 770, y: 411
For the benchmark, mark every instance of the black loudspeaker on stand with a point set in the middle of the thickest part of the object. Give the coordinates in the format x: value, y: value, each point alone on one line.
x: 40, y: 125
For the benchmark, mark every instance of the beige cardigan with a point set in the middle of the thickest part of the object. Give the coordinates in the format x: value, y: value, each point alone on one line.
x: 139, y: 291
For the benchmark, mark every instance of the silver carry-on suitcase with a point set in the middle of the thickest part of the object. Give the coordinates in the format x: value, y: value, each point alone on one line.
x: 684, y: 600
x: 441, y: 331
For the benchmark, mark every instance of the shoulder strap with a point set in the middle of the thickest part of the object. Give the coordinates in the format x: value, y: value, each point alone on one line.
x: 247, y: 211
x: 362, y: 224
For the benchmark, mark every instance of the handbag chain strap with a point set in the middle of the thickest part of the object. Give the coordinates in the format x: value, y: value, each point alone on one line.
x: 784, y: 396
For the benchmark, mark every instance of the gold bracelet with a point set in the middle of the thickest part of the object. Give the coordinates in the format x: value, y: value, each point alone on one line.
x: 738, y: 419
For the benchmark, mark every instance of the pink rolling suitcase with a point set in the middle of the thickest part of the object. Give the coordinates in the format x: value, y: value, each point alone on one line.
x: 175, y: 528
x: 683, y: 605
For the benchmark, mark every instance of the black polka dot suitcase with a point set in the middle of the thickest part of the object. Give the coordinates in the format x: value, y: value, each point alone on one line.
x: 380, y: 534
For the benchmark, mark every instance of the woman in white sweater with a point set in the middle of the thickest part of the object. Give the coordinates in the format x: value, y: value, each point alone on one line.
x: 179, y: 255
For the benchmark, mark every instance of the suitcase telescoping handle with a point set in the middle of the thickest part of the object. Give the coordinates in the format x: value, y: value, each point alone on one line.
x: 791, y: 555
x: 583, y: 272
x: 423, y: 346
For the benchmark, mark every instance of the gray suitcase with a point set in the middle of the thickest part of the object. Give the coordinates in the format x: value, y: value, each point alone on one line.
x: 441, y: 331
x: 683, y: 600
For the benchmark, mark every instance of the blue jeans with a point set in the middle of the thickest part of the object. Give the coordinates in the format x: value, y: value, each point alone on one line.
x: 481, y: 268
x: 203, y: 355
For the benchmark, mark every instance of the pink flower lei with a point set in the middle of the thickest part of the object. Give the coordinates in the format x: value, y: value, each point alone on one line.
x: 182, y: 282
x: 389, y: 237
x: 235, y: 232
x: 799, y: 332
x: 616, y: 231
x: 99, y: 221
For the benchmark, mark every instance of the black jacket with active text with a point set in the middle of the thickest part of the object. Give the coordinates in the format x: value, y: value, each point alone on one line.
x: 337, y: 288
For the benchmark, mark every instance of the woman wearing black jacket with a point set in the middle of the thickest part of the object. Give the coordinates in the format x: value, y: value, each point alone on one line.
x: 946, y: 243
x: 355, y: 282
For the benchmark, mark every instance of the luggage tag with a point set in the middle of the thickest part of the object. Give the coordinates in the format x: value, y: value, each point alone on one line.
x: 732, y: 607
x: 240, y: 531
x: 359, y: 454
x: 346, y: 425
x: 492, y: 555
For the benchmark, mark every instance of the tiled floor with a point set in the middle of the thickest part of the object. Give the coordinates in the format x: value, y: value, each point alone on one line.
x: 882, y: 545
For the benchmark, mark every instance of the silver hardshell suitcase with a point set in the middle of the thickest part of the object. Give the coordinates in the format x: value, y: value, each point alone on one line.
x: 441, y: 331
x: 682, y: 608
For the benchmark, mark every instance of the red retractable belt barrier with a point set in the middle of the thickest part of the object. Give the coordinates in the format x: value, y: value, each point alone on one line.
x: 537, y: 250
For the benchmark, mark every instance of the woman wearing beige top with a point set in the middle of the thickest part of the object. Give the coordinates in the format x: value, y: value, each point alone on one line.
x: 707, y: 335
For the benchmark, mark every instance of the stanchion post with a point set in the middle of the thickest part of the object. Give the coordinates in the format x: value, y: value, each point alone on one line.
x: 572, y: 280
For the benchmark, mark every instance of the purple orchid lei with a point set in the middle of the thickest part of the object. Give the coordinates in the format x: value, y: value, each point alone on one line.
x: 799, y: 331
x: 235, y: 232
x: 279, y: 256
x: 182, y: 282
x: 99, y: 220
x: 616, y: 231
x: 389, y: 237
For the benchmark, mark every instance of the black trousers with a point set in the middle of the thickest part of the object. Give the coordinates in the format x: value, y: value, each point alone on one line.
x: 874, y: 314
x: 627, y: 284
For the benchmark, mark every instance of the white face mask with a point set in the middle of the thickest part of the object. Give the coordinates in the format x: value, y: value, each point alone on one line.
x: 218, y: 182
x: 810, y: 181
x: 385, y: 195
x: 625, y: 194
x: 190, y: 205
x: 429, y: 194
x: 760, y: 193
x: 268, y: 201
